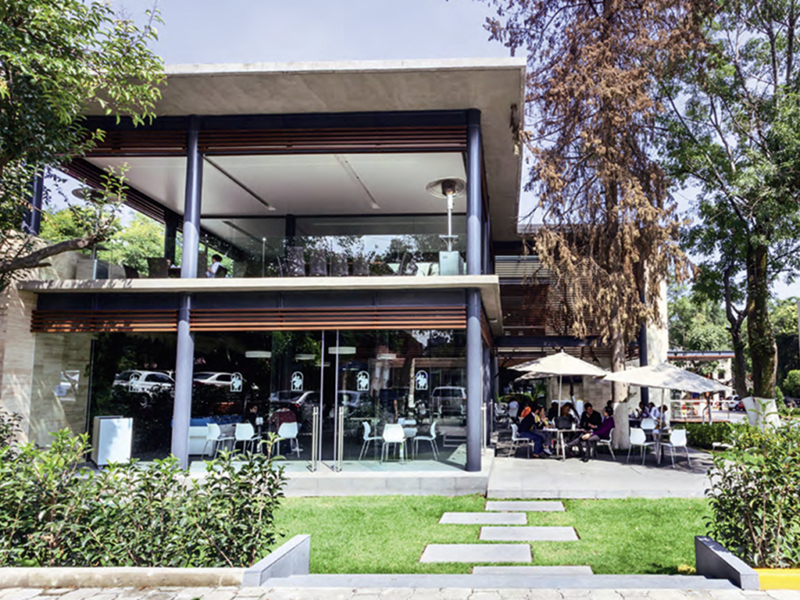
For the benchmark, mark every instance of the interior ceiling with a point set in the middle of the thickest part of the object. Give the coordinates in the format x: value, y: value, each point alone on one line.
x: 315, y: 184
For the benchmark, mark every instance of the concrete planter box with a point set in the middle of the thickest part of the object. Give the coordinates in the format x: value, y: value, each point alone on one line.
x: 291, y: 558
x: 715, y: 561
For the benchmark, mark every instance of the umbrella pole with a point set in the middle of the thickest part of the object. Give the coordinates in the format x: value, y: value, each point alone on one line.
x: 560, y: 395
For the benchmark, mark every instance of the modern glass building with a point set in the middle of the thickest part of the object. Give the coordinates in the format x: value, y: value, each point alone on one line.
x: 328, y: 236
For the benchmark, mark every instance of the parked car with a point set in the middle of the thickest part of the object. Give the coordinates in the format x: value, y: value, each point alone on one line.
x: 449, y: 400
x: 147, y: 383
x: 212, y: 378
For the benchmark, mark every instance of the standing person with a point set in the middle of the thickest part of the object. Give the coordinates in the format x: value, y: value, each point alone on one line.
x: 590, y: 419
x: 216, y: 263
x: 588, y: 441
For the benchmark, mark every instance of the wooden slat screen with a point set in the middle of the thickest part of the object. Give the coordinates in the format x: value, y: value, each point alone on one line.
x: 286, y: 141
x: 97, y: 321
x: 294, y: 319
x: 299, y: 141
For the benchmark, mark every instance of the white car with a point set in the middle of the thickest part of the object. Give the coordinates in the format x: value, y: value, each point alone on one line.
x: 144, y: 382
x: 213, y: 378
x: 449, y: 400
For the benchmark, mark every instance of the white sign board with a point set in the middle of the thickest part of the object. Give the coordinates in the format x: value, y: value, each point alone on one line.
x: 421, y: 381
x: 236, y: 382
x: 297, y: 381
x: 362, y: 381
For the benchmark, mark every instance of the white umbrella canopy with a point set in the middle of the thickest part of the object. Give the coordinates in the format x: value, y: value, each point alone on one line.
x: 559, y: 364
x: 667, y: 377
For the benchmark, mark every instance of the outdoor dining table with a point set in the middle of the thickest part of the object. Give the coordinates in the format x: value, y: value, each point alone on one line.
x: 658, y: 436
x: 561, y: 447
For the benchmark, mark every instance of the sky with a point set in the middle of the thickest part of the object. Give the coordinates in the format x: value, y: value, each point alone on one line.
x: 247, y: 31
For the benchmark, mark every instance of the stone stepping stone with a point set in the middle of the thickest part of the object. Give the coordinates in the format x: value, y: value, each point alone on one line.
x: 540, y: 571
x: 476, y: 518
x: 528, y: 534
x: 525, y: 505
x: 476, y: 553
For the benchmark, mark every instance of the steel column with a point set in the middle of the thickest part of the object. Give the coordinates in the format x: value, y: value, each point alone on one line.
x: 170, y: 235
x: 474, y: 264
x: 184, y: 361
x: 32, y: 221
x: 474, y: 379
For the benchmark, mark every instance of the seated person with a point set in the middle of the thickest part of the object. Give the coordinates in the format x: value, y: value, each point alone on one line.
x: 588, y: 441
x: 281, y: 416
x: 590, y: 419
x: 552, y: 412
x: 513, y: 409
x: 572, y: 412
x: 541, y: 422
x: 526, y: 410
x: 527, y: 429
x: 654, y: 413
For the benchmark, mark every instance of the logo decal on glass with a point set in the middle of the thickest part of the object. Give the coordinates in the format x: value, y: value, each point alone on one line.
x: 362, y: 381
x: 236, y: 382
x: 421, y: 381
x: 297, y: 381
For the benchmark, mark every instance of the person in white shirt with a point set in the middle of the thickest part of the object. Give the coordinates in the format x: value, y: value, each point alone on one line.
x: 654, y: 413
x: 216, y: 263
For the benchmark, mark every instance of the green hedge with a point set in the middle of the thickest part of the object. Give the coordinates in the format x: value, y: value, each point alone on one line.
x: 703, y: 435
x: 755, y: 496
x: 54, y: 513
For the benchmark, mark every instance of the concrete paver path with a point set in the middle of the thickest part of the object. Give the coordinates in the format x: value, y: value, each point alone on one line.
x: 525, y: 505
x: 476, y: 553
x: 400, y: 593
x: 475, y: 518
x: 528, y: 534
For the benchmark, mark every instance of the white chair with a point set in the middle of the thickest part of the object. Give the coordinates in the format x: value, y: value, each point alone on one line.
x: 516, y: 440
x: 214, y: 437
x: 246, y: 434
x: 608, y: 443
x: 638, y: 438
x: 677, y: 439
x: 431, y: 437
x: 648, y: 425
x: 367, y: 439
x: 393, y: 434
x: 289, y: 431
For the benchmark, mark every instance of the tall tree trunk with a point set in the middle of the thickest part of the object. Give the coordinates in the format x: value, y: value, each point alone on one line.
x: 619, y: 393
x: 735, y: 321
x: 763, y: 350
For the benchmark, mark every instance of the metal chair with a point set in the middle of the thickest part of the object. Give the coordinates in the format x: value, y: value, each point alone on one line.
x: 214, y: 437
x: 638, y: 438
x: 317, y: 265
x: 295, y: 262
x: 368, y: 438
x: 157, y: 267
x: 393, y: 434
x: 608, y: 444
x: 677, y: 439
x: 360, y: 266
x: 289, y: 431
x: 431, y: 437
x: 338, y: 265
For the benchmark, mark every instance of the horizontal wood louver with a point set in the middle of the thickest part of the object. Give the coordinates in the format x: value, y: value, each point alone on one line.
x: 299, y: 141
x: 288, y: 319
x: 141, y: 142
x: 102, y: 321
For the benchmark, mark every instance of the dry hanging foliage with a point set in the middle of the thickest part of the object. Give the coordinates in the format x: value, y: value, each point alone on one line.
x: 609, y: 227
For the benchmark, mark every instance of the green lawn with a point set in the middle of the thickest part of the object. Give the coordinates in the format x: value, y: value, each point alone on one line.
x: 387, y: 534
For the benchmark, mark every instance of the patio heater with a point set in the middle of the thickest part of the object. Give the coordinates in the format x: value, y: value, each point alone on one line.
x: 450, y: 262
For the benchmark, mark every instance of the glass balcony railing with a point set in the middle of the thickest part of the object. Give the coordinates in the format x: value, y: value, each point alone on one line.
x: 299, y: 256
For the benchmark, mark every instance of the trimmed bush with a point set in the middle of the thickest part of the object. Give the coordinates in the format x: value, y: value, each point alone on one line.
x: 755, y: 496
x: 55, y: 513
x: 703, y: 435
x: 792, y: 384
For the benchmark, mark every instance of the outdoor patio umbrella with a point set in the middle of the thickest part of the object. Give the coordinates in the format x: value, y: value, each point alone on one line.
x: 667, y: 377
x: 559, y: 364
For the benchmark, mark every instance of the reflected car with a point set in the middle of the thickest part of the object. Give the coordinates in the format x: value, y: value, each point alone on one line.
x: 143, y: 382
x: 301, y: 403
x: 449, y: 400
x: 216, y: 379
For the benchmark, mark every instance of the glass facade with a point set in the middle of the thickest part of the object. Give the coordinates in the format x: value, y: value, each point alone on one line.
x: 357, y: 387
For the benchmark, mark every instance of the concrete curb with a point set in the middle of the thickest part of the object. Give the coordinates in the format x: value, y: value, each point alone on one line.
x: 292, y: 558
x: 715, y: 561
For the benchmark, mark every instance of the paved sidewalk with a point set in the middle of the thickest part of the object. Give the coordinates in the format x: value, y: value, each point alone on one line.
x: 601, y: 478
x: 384, y: 594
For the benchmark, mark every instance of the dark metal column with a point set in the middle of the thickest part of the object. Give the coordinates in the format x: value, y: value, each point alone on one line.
x: 474, y: 263
x: 32, y: 221
x: 184, y: 361
x: 170, y: 235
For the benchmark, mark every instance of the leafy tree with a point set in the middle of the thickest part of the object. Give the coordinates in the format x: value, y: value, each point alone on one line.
x: 609, y: 229
x: 57, y: 57
x: 733, y: 129
x: 129, y: 244
x: 696, y: 324
x: 783, y: 317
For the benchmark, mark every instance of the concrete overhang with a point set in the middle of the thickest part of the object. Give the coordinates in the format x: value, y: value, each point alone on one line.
x: 495, y: 86
x: 488, y: 285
